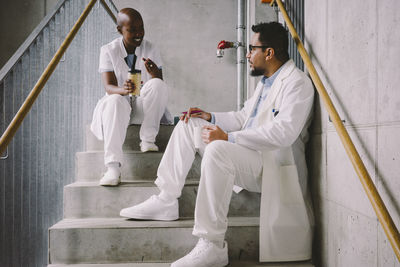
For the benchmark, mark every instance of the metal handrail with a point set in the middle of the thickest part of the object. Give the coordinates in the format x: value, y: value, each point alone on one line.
x: 26, y: 106
x: 377, y: 203
x: 108, y: 10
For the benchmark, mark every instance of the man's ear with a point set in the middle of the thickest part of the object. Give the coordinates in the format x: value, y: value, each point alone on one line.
x: 119, y: 29
x: 269, y: 53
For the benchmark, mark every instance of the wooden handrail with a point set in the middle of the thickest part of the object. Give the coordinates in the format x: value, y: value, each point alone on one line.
x: 26, y: 106
x: 377, y: 203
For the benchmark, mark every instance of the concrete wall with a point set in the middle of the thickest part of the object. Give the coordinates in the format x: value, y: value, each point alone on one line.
x: 187, y: 33
x: 17, y: 20
x: 355, y: 46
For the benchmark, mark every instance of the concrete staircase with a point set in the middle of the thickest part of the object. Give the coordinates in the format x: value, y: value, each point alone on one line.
x: 93, y: 234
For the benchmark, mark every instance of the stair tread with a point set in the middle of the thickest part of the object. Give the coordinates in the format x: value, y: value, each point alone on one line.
x: 105, y: 223
x: 129, y: 183
x: 87, y: 199
x: 124, y: 152
x: 164, y: 264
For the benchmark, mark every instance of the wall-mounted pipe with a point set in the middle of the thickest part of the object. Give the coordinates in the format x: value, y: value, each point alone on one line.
x: 240, y: 51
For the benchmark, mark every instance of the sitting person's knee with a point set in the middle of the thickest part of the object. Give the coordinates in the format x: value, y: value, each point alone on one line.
x: 156, y: 86
x: 216, y: 148
x: 155, y: 82
x: 115, y: 98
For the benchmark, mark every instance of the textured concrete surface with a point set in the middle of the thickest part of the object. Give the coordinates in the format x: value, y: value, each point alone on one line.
x: 352, y: 71
x: 153, y: 264
x: 22, y: 27
x: 356, y: 52
x: 135, y: 166
x: 187, y: 34
x: 120, y: 240
x: 352, y: 238
x: 82, y: 199
x: 388, y: 56
x: 132, y: 139
x: 388, y: 186
x: 343, y: 185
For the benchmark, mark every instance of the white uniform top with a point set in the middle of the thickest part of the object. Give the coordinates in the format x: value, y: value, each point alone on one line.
x: 113, y: 54
x: 112, y: 59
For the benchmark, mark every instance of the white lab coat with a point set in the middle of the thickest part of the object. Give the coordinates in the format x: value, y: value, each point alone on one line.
x: 286, y: 217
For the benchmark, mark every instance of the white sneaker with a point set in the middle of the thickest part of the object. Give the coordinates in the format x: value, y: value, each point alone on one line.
x: 112, y: 177
x: 146, y: 146
x: 153, y: 209
x: 204, y: 254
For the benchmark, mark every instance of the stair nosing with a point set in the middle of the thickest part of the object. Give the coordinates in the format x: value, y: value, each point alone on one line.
x: 123, y: 223
x: 124, y: 152
x: 125, y: 183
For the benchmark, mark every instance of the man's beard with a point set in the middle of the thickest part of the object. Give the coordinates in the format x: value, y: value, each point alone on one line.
x: 256, y: 72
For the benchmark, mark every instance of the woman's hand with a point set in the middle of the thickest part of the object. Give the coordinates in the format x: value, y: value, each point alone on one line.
x: 152, y: 68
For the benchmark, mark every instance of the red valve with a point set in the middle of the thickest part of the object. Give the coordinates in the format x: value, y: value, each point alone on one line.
x: 224, y: 44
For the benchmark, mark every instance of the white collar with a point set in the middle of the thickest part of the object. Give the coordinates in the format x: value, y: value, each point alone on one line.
x: 287, y: 69
x: 122, y: 49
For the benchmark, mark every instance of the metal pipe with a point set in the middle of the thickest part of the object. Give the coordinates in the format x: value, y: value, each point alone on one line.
x: 377, y: 203
x: 240, y: 52
x: 108, y: 10
x: 26, y: 106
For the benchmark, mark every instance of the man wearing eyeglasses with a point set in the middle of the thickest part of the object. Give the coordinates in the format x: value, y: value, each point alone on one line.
x: 259, y: 148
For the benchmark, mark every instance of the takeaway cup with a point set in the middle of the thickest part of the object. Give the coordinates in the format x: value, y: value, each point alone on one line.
x: 136, y: 77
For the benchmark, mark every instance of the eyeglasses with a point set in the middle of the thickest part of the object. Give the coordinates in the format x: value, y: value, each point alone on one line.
x: 251, y: 47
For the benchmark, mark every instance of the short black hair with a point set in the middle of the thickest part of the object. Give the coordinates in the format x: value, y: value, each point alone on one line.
x: 274, y: 35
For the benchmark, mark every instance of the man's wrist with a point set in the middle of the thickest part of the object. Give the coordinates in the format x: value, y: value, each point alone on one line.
x: 231, y: 138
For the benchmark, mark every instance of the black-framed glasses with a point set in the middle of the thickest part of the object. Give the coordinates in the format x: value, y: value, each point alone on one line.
x: 251, y: 47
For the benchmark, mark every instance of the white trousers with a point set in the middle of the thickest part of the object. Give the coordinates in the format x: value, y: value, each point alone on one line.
x: 223, y: 165
x: 112, y: 116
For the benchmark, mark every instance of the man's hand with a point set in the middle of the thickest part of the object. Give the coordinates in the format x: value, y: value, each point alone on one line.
x: 152, y: 68
x: 128, y: 88
x: 212, y: 132
x: 195, y: 113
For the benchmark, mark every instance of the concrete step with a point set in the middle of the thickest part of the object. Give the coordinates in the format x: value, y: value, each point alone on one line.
x: 116, y: 240
x: 165, y: 264
x: 132, y: 138
x: 88, y: 199
x: 135, y: 166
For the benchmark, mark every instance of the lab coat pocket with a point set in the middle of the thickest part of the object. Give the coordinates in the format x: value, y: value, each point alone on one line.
x: 285, y: 230
x: 290, y: 192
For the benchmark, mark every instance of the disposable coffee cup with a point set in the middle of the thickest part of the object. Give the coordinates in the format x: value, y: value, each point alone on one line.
x: 198, y: 141
x: 136, y: 78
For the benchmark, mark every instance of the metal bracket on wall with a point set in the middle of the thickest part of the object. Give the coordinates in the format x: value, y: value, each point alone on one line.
x: 274, y: 5
x: 6, y: 156
x: 330, y: 120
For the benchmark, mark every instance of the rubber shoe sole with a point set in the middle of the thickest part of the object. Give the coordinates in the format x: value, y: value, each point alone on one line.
x: 117, y: 182
x: 147, y: 217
